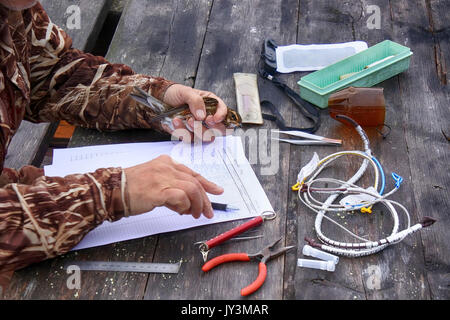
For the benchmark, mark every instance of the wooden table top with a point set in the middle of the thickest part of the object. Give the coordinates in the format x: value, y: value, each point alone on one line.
x: 201, y: 44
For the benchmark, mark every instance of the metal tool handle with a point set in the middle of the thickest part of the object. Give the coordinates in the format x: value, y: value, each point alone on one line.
x: 233, y: 232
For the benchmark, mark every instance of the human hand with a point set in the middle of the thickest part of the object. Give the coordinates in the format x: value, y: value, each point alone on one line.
x: 177, y: 95
x: 164, y: 182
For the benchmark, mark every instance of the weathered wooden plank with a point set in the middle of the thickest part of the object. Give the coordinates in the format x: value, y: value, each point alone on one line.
x: 236, y: 31
x: 323, y: 22
x: 92, y: 16
x: 439, y: 25
x: 426, y: 99
x: 386, y: 275
x: 397, y: 272
x: 30, y: 143
x: 161, y: 38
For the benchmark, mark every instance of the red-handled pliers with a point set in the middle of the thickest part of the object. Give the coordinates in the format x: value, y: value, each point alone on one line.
x: 264, y: 255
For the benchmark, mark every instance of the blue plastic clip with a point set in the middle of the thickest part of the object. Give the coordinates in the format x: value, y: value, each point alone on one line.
x: 398, y: 179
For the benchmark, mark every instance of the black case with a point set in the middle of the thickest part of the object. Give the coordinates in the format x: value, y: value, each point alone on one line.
x: 269, y: 56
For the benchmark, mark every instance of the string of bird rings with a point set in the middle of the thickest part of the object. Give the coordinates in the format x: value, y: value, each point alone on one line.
x: 356, y: 198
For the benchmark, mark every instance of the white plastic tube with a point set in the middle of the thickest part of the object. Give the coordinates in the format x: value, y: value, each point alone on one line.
x: 319, y: 254
x: 316, y: 264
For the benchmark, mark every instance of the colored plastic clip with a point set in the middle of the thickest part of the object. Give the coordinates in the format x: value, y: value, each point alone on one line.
x: 296, y: 187
x: 366, y: 210
x: 398, y: 179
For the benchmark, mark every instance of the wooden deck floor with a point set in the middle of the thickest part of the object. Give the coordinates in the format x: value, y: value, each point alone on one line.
x: 201, y: 44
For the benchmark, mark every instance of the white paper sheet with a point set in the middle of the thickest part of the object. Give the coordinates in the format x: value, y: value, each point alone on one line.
x: 222, y: 162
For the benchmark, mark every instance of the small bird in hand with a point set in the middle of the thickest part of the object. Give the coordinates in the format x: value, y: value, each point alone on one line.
x: 165, y: 113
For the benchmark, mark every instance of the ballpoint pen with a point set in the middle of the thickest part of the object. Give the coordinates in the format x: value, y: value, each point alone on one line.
x: 223, y: 207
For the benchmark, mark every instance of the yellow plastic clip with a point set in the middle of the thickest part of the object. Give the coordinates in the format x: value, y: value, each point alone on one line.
x: 366, y: 210
x: 296, y: 187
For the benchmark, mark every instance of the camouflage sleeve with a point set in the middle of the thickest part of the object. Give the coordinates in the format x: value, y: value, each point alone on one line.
x: 51, y: 215
x: 81, y: 88
x: 25, y: 175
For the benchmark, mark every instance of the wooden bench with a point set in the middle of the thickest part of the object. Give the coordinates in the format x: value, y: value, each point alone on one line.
x: 201, y: 43
x: 31, y: 141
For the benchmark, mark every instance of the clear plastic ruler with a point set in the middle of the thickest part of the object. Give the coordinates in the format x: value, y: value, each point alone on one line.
x: 147, y: 267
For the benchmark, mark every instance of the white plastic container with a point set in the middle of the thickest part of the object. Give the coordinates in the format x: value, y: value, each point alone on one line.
x: 317, y: 264
x: 322, y: 255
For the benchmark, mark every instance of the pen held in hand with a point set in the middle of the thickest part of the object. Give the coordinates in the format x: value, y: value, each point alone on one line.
x: 223, y: 207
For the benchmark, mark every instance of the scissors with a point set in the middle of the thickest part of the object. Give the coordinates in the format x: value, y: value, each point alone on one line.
x: 314, y: 139
x: 263, y: 256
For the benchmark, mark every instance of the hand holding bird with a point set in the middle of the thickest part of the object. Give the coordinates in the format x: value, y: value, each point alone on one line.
x: 182, y: 105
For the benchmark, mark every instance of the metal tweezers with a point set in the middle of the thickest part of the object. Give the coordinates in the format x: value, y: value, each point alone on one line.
x: 315, y: 140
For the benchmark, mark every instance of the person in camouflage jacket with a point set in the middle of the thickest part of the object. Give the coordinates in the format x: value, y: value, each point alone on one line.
x: 43, y: 79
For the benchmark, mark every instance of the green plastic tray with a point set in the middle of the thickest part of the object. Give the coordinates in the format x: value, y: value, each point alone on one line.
x: 316, y: 87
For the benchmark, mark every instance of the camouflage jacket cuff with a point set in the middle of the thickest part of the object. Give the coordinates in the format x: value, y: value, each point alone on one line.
x: 159, y: 87
x: 109, y: 194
